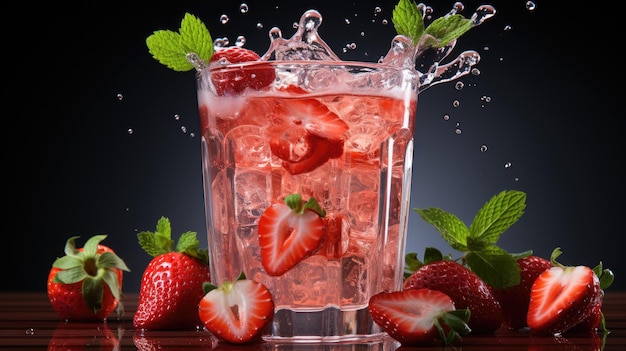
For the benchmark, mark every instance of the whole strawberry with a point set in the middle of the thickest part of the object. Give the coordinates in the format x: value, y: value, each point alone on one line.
x: 514, y: 300
x: 237, y: 79
x: 465, y: 288
x: 86, y: 283
x: 171, y: 285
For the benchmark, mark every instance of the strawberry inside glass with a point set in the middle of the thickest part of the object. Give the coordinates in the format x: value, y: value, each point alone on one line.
x: 298, y: 120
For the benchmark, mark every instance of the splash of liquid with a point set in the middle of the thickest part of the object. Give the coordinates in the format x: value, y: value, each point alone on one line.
x: 306, y: 44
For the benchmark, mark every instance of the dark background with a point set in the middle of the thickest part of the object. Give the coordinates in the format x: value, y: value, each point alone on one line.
x: 74, y: 169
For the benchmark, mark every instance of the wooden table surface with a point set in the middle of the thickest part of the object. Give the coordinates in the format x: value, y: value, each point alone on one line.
x: 28, y: 322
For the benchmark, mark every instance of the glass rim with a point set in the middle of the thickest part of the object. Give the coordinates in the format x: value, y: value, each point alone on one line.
x: 304, y: 63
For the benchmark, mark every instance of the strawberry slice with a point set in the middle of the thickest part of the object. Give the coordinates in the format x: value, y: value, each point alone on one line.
x: 237, y: 311
x: 289, y: 232
x: 321, y: 150
x: 419, y: 316
x: 315, y: 117
x: 562, y: 297
x: 235, y: 80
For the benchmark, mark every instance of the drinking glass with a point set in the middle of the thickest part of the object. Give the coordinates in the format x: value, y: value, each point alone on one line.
x: 262, y: 144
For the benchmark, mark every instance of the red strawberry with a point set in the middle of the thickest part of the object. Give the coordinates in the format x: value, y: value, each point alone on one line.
x: 289, y: 232
x: 514, y: 300
x: 467, y: 290
x: 236, y: 79
x: 86, y: 283
x: 171, y: 285
x: 562, y: 297
x: 595, y: 320
x: 236, y: 312
x: 309, y: 136
x: 418, y: 317
x: 70, y: 336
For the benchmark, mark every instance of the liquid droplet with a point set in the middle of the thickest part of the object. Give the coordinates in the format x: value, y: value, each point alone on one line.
x: 30, y: 331
x: 241, y: 41
x: 176, y: 117
x: 530, y: 5
x: 446, y: 117
x: 508, y: 165
x: 224, y: 19
x: 456, y: 103
x: 507, y: 27
x: 120, y: 97
x: 459, y: 85
x: 130, y: 131
x: 243, y: 8
x: 183, y: 129
x: 483, y: 148
x: 259, y: 25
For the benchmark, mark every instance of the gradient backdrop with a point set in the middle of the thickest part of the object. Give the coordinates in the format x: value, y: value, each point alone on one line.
x: 545, y: 103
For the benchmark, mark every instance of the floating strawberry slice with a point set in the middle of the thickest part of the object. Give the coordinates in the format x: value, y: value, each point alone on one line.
x: 562, y: 297
x: 321, y: 151
x: 236, y: 311
x: 236, y: 80
x: 289, y: 232
x: 418, y: 317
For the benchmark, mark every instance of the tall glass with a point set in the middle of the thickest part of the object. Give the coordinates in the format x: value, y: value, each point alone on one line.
x: 261, y: 144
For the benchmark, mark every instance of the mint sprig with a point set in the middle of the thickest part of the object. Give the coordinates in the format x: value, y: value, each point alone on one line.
x: 408, y: 21
x: 171, y: 48
x: 478, y: 242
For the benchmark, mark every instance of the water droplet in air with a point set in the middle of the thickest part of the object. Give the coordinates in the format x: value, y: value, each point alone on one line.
x: 385, y: 21
x: 483, y: 148
x: 362, y: 34
x: 130, y: 131
x: 347, y: 21
x: 224, y: 19
x: 377, y: 9
x: 243, y: 7
x: 120, y: 97
x: 457, y: 131
x: 192, y: 134
x: 508, y: 165
x: 183, y: 129
x: 507, y: 27
x: 516, y: 179
x: 446, y: 117
x: 530, y: 5
x: 459, y: 85
x: 485, y: 98
x: 30, y: 331
x: 456, y: 103
x: 177, y: 117
x: 241, y: 41
x: 259, y: 25
x: 475, y: 71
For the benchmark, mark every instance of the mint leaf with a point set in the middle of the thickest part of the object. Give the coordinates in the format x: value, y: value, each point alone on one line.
x: 448, y: 28
x: 452, y: 229
x: 157, y: 242
x: 170, y: 48
x: 407, y: 19
x: 497, y: 215
x: 494, y: 266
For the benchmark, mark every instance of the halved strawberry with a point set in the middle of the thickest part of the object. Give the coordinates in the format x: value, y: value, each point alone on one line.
x: 418, y: 317
x: 235, y: 80
x: 236, y: 311
x: 289, y: 232
x: 309, y: 136
x: 562, y: 297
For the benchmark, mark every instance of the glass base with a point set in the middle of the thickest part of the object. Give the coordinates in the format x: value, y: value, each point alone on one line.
x: 330, y: 325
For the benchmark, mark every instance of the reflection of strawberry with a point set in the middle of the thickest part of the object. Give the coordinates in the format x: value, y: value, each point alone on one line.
x: 236, y: 80
x: 562, y: 297
x: 236, y: 311
x: 171, y: 285
x: 147, y: 340
x: 418, y: 317
x: 86, y: 283
x: 467, y: 290
x: 83, y: 336
x: 514, y: 300
x: 289, y: 232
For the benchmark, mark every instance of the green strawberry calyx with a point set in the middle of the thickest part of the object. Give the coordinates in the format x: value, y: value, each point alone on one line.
x: 91, y: 268
x: 478, y: 242
x: 160, y: 242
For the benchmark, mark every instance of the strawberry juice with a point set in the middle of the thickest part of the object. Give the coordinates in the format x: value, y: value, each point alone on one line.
x: 301, y: 121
